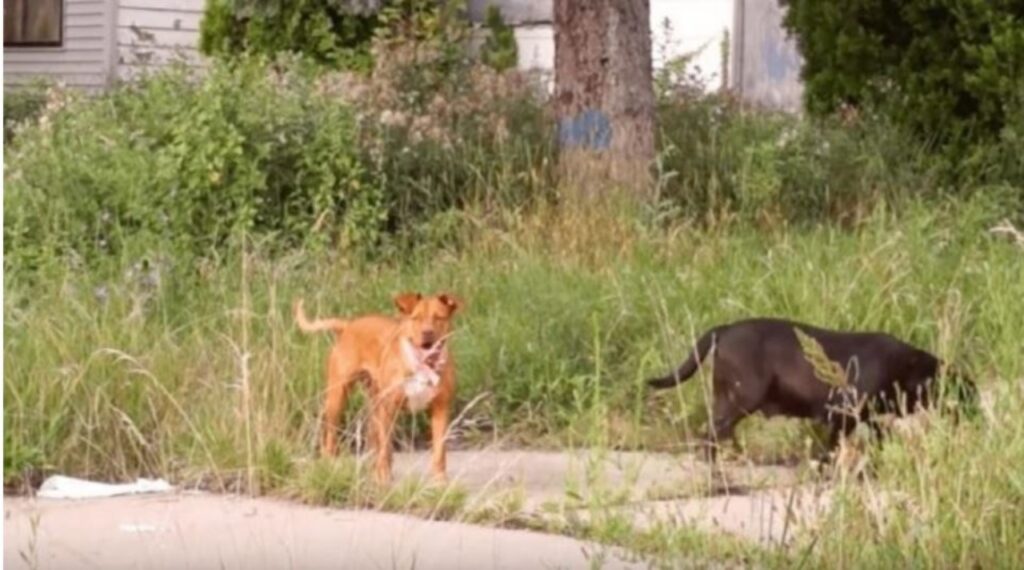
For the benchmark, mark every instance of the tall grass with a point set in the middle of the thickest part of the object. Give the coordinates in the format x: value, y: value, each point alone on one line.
x: 109, y: 378
x: 557, y: 336
x: 137, y: 345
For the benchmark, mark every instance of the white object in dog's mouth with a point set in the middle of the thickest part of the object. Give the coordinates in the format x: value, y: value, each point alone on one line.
x: 425, y: 367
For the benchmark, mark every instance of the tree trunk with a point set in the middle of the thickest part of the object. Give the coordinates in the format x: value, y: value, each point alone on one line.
x: 604, y: 94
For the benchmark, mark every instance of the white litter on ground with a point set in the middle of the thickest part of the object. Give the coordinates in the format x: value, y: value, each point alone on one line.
x: 61, y: 487
x: 137, y: 528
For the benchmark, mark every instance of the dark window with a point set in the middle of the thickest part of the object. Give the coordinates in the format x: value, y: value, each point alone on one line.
x: 33, y: 22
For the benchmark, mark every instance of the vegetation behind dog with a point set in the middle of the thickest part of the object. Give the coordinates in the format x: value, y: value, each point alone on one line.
x: 156, y: 236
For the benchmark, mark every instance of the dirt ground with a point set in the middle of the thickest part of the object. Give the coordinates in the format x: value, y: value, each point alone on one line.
x: 195, y: 530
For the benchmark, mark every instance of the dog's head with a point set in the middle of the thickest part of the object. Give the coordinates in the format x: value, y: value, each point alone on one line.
x: 426, y: 320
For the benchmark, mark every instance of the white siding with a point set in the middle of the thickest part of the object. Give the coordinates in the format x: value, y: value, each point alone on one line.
x: 766, y: 61
x: 515, y: 12
x: 694, y: 27
x: 83, y: 60
x: 152, y: 33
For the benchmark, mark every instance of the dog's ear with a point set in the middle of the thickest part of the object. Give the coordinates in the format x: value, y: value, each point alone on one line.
x: 406, y: 302
x: 451, y: 301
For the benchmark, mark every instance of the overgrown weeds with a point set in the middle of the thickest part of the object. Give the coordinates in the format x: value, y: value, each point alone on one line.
x: 156, y: 236
x: 346, y: 483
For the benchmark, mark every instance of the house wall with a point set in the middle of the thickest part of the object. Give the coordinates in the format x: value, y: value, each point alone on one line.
x: 766, y: 63
x: 693, y: 26
x: 515, y: 12
x: 104, y: 39
x: 152, y: 33
x: 84, y: 58
x: 536, y: 46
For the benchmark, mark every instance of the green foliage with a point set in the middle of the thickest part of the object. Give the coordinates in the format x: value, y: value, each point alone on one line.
x: 421, y: 50
x: 21, y: 105
x: 717, y: 160
x: 948, y: 70
x: 500, y: 50
x: 555, y: 342
x: 183, y: 167
x: 335, y: 33
x: 131, y: 312
x: 346, y: 483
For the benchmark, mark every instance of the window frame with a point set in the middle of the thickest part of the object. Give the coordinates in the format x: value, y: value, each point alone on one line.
x: 58, y: 43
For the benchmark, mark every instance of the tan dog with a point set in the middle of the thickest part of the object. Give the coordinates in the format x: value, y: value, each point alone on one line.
x: 378, y: 349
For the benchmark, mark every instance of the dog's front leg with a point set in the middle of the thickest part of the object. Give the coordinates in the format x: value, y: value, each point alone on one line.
x: 439, y: 411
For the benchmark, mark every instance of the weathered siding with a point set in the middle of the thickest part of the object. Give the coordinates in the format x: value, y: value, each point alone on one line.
x: 515, y: 12
x: 151, y: 33
x: 536, y: 46
x: 694, y: 26
x: 84, y: 58
x: 766, y: 63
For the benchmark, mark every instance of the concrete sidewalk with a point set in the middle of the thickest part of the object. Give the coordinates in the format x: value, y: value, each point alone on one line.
x: 218, y: 531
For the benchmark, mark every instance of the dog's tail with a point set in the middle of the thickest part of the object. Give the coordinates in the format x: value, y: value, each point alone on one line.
x: 333, y: 325
x: 689, y: 366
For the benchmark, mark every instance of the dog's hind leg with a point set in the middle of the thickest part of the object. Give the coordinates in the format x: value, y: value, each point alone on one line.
x: 382, y: 417
x: 735, y: 397
x: 725, y: 414
x: 339, y: 385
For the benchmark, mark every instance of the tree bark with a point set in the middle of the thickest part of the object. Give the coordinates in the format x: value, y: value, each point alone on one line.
x: 604, y: 94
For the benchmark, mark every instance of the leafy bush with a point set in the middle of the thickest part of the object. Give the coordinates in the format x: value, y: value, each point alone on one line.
x: 500, y: 50
x: 329, y: 32
x: 182, y: 165
x: 334, y: 33
x: 186, y: 163
x: 947, y: 70
x: 719, y: 160
x: 21, y: 105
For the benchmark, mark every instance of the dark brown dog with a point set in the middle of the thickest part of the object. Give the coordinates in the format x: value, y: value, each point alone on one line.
x: 376, y: 348
x: 759, y: 366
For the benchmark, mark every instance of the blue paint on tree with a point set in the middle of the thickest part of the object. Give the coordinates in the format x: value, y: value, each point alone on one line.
x: 590, y: 130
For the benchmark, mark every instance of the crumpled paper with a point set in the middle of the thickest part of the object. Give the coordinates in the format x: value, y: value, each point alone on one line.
x: 63, y: 487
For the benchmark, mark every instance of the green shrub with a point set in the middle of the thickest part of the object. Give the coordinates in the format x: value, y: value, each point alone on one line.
x: 500, y: 50
x: 183, y: 165
x: 21, y: 105
x: 946, y: 69
x: 326, y: 31
x: 720, y: 160
x: 336, y: 34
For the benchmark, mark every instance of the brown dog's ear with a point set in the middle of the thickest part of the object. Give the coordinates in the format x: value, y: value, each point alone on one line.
x: 406, y: 302
x: 450, y: 301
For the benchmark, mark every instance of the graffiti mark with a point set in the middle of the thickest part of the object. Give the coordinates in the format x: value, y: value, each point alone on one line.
x: 590, y: 129
x: 780, y: 60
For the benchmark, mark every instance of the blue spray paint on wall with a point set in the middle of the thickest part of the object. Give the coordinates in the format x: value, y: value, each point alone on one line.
x: 779, y: 62
x: 590, y: 129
